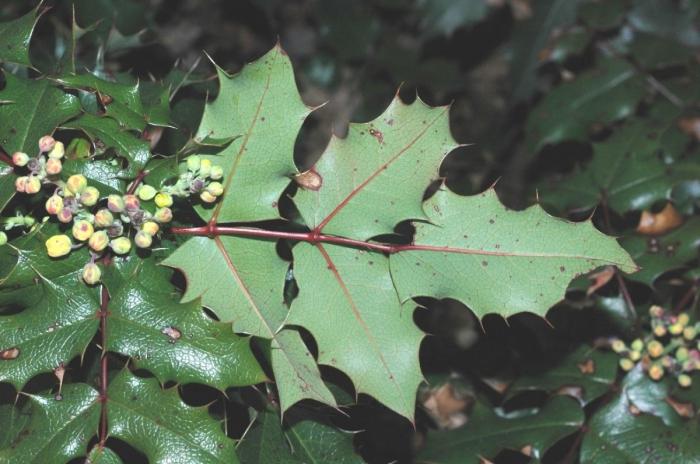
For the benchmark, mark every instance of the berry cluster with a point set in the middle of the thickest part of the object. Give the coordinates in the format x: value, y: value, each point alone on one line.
x: 671, y: 348
x: 105, y: 223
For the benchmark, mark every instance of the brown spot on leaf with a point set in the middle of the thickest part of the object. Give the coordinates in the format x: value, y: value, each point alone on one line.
x: 659, y: 223
x: 9, y: 354
x: 586, y: 367
x: 309, y: 180
x: 172, y: 333
x: 599, y: 279
x: 377, y: 135
x: 446, y: 405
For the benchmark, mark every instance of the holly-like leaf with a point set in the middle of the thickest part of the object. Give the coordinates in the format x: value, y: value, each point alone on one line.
x: 487, y: 433
x: 7, y: 185
x: 160, y: 425
x: 242, y: 281
x: 100, y: 455
x: 348, y: 302
x: 106, y: 132
x: 14, y: 38
x: 606, y: 94
x: 30, y: 110
x: 58, y: 317
x: 586, y: 374
x: 176, y: 341
x: 304, y: 441
x: 530, y: 253
x: 58, y: 430
x: 626, y: 172
x: 262, y: 108
x: 378, y: 173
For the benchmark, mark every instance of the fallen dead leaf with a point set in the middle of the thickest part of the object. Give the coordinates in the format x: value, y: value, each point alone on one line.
x: 526, y: 450
x: 690, y: 126
x: 659, y: 223
x: 586, y: 367
x: 600, y: 278
x: 447, y: 406
x: 683, y: 409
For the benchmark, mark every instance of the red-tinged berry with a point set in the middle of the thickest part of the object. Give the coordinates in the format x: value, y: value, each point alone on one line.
x: 115, y: 203
x: 54, y: 204
x: 656, y: 311
x: 46, y: 143
x: 53, y: 166
x: 131, y: 202
x: 656, y: 372
x: 21, y: 184
x: 659, y: 330
x: 82, y: 230
x: 655, y: 349
x: 163, y: 215
x: 104, y: 218
x: 143, y: 239
x: 98, y: 241
x: 20, y: 159
x: 65, y: 215
x: 33, y: 185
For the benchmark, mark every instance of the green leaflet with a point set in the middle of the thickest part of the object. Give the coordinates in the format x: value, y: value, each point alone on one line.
x: 516, y: 261
x: 376, y: 176
x: 14, y: 38
x: 487, y: 433
x: 161, y: 426
x: 262, y: 107
x: 58, y: 430
x: 176, y: 341
x: 348, y: 302
x: 242, y: 281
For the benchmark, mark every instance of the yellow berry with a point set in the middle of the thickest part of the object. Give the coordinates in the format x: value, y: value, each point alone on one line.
x: 53, y: 166
x: 217, y: 172
x: 46, y: 143
x: 57, y: 151
x: 656, y: 311
x: 618, y: 346
x: 683, y: 319
x: 676, y: 329
x: 656, y: 372
x: 20, y: 158
x: 146, y: 192
x: 150, y: 227
x: 215, y: 188
x: 82, y: 230
x: 3, y: 238
x: 54, y: 204
x: 655, y: 349
x: 163, y: 215
x: 205, y: 168
x: 21, y: 183
x: 143, y: 239
x: 164, y: 200
x: 76, y: 184
x: 120, y: 245
x: 91, y: 273
x: 207, y: 197
x: 635, y: 355
x: 98, y: 241
x: 659, y: 331
x: 689, y: 333
x: 193, y: 163
x: 626, y: 364
x: 104, y: 218
x: 58, y: 245
x: 33, y: 185
x: 684, y: 380
x: 90, y: 196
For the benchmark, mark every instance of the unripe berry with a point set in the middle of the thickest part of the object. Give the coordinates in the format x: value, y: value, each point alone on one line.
x: 193, y: 163
x: 29, y: 221
x: 656, y: 372
x: 46, y: 143
x: 689, y: 333
x: 65, y: 215
x: 637, y: 345
x: 684, y: 380
x: 217, y: 172
x: 635, y: 355
x: 618, y: 346
x: 205, y: 168
x: 656, y: 311
x: 683, y: 319
x: 104, y: 218
x: 21, y: 183
x: 115, y: 230
x: 120, y: 245
x: 57, y: 151
x: 33, y: 185
x: 76, y: 184
x: 58, y: 245
x: 131, y: 203
x: 91, y: 273
x: 655, y: 349
x: 164, y: 200
x: 146, y: 192
x: 20, y: 158
x: 163, y: 215
x: 215, y: 188
x: 53, y: 166
x: 115, y: 203
x: 98, y: 241
x: 150, y: 227
x: 682, y: 354
x: 676, y: 329
x: 207, y: 197
x: 143, y: 239
x: 626, y: 364
x: 3, y: 238
x: 668, y: 361
x: 54, y: 204
x: 659, y: 330
x: 90, y: 196
x: 82, y: 230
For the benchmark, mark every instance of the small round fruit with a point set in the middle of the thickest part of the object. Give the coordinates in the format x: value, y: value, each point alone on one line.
x: 65, y: 215
x: 91, y: 273
x: 46, y: 143
x: 146, y: 192
x: 3, y: 238
x: 82, y: 230
x: 76, y: 184
x: 57, y: 151
x: 58, y: 245
x: 164, y: 200
x: 217, y: 172
x: 656, y: 372
x: 33, y: 185
x: 163, y: 215
x: 150, y: 227
x: 143, y: 239
x: 21, y: 183
x: 131, y: 202
x: 683, y: 319
x: 205, y: 168
x: 626, y: 364
x: 98, y: 241
x: 637, y: 345
x: 682, y: 354
x: 104, y: 218
x: 53, y: 166
x: 655, y: 348
x: 656, y: 311
x: 684, y: 380
x: 115, y: 203
x: 215, y: 188
x: 120, y: 245
x: 635, y: 355
x: 54, y: 204
x: 193, y: 163
x: 618, y: 346
x: 90, y: 196
x: 20, y: 158
x: 660, y: 330
x: 207, y: 197
x: 689, y: 333
x: 675, y: 328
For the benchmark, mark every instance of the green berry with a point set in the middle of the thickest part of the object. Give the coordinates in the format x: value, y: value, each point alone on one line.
x: 3, y: 238
x: 626, y: 364
x: 684, y: 380
x: 637, y: 345
x: 215, y: 188
x: 217, y: 172
x: 689, y: 333
x: 193, y: 163
x: 91, y: 273
x: 120, y: 245
x: 683, y: 319
x: 682, y: 354
x: 146, y: 192
x: 676, y: 328
x: 205, y: 168
x: 143, y: 239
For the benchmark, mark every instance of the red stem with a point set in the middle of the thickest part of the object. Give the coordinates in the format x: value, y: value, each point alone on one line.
x: 5, y: 158
x: 137, y: 181
x: 103, y: 365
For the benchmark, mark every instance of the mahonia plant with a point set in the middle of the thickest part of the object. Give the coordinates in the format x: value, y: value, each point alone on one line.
x: 356, y: 276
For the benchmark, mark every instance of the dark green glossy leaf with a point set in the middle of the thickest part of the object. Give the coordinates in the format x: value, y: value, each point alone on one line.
x: 14, y: 39
x: 603, y: 15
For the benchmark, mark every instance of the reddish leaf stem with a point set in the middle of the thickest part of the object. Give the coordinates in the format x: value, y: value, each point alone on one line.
x: 5, y: 158
x: 137, y: 181
x: 104, y: 297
